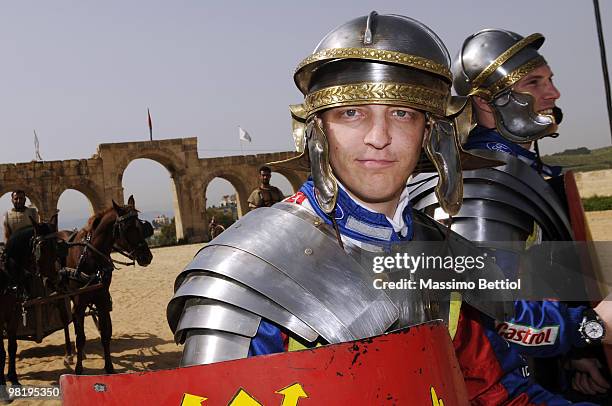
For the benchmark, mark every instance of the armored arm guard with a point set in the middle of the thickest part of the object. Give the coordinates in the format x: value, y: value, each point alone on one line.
x: 499, y: 204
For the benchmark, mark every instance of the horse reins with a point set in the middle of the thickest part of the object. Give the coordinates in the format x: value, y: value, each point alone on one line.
x: 118, y: 230
x: 108, y: 259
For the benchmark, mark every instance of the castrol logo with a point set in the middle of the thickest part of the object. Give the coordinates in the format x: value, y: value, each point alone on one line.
x: 528, y: 336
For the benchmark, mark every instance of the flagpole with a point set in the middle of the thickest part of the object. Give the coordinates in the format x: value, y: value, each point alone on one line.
x: 604, y: 64
x: 150, y: 125
x: 240, y: 140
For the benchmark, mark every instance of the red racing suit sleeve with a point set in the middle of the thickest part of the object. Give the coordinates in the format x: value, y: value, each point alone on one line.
x: 494, y: 372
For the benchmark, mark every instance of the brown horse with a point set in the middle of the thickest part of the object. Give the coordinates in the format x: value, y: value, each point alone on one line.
x: 89, y: 263
x: 29, y: 253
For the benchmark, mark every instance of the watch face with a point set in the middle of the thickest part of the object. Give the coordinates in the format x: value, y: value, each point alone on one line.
x: 593, y: 330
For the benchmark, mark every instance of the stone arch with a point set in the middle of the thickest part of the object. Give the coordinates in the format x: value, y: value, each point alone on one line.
x: 91, y: 209
x: 179, y: 183
x: 167, y: 158
x: 295, y: 178
x: 92, y: 192
x: 30, y: 192
x: 236, y: 180
x: 100, y: 177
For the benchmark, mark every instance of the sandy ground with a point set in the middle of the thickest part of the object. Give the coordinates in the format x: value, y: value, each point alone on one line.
x: 600, y: 223
x: 594, y: 183
x: 141, y: 337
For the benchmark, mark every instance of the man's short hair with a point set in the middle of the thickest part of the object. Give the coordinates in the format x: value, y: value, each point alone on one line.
x: 16, y: 192
x: 265, y: 169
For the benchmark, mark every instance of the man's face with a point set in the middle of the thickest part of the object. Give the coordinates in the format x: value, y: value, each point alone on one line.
x: 539, y: 84
x: 19, y: 200
x: 373, y: 149
x: 264, y: 177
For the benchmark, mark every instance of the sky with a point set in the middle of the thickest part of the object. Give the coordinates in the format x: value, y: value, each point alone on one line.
x: 82, y: 73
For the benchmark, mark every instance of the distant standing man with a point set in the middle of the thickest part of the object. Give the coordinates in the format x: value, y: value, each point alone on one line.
x: 265, y: 195
x: 19, y: 216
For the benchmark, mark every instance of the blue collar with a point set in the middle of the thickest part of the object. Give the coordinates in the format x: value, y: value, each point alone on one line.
x: 485, y: 138
x: 359, y: 223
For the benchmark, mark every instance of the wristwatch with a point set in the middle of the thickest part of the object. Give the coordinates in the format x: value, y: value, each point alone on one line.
x: 591, y: 328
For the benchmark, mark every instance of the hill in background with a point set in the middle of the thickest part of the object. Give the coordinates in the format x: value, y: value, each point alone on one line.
x: 69, y: 222
x: 582, y: 159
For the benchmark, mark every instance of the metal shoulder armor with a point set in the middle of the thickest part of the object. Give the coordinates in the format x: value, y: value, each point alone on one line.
x: 293, y: 273
x: 252, y: 271
x: 499, y: 204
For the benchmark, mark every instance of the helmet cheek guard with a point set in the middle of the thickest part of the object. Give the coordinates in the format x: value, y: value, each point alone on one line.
x: 440, y: 145
x: 516, y: 118
x: 326, y: 185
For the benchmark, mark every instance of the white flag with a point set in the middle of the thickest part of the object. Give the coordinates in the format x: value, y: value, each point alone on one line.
x: 244, y: 136
x: 36, y: 148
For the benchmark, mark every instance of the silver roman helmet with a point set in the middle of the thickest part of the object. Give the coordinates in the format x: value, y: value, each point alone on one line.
x: 489, y: 63
x: 377, y: 59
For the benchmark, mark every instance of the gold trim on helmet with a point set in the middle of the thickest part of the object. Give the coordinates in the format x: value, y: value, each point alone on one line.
x: 380, y: 55
x: 510, y: 79
x: 400, y: 94
x: 503, y: 58
x: 516, y: 75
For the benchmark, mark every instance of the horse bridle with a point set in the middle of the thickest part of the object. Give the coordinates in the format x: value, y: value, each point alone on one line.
x: 37, y: 243
x: 119, y: 230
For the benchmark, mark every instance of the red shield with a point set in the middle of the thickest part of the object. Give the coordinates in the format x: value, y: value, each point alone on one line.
x: 590, y: 265
x: 415, y: 366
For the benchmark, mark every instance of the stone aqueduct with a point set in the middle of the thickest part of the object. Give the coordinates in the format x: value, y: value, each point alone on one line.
x: 99, y: 178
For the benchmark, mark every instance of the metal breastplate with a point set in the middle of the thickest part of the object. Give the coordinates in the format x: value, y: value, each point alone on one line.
x: 293, y: 273
x: 20, y: 219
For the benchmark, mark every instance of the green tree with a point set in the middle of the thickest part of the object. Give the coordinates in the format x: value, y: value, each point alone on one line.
x: 597, y: 203
x: 222, y: 216
x: 166, y: 235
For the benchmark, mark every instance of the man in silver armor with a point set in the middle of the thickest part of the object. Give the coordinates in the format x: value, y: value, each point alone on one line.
x: 376, y: 92
x: 511, y: 97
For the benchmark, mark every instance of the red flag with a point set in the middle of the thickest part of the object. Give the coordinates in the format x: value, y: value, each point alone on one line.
x: 150, y: 125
